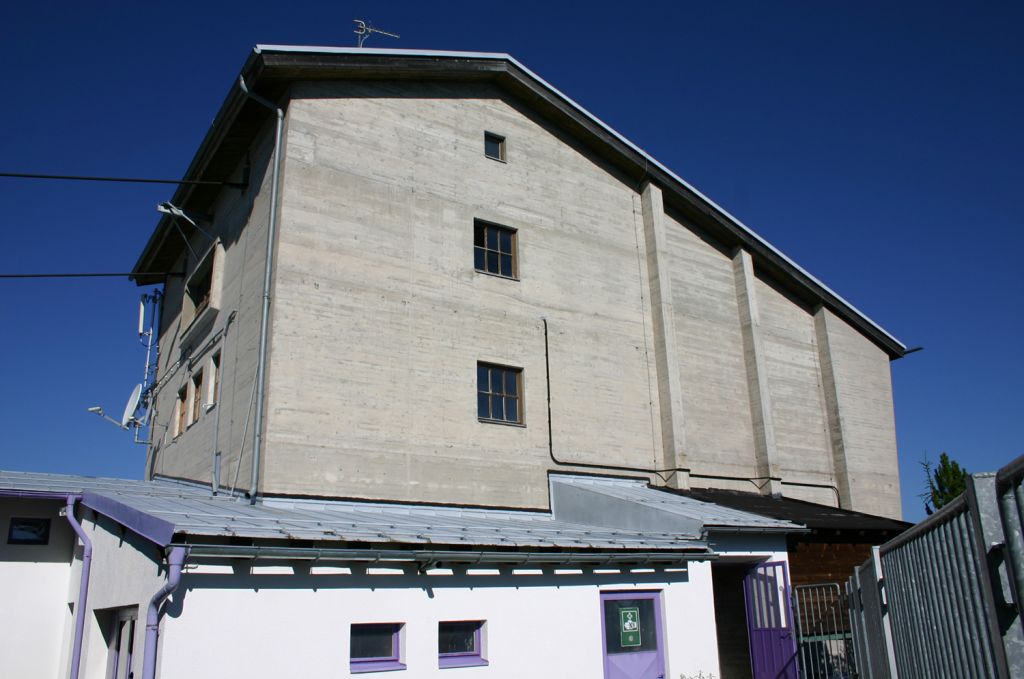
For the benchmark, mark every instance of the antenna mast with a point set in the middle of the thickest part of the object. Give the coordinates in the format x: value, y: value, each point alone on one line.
x: 364, y: 30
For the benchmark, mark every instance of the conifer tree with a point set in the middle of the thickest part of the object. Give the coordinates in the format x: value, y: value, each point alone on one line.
x: 946, y: 482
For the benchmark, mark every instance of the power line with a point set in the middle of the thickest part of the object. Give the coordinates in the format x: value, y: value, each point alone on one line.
x: 129, y: 180
x: 90, y: 275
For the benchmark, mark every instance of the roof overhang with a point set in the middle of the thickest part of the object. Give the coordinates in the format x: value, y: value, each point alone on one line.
x: 270, y: 69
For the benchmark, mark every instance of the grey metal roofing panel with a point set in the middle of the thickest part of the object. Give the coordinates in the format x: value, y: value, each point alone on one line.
x: 194, y: 512
x: 710, y: 514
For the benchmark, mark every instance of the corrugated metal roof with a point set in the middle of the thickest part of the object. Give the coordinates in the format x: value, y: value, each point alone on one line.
x: 709, y: 514
x: 194, y: 512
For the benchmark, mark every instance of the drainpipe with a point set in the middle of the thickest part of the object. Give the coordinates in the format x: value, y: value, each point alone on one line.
x: 175, y: 560
x: 261, y: 365
x: 83, y: 585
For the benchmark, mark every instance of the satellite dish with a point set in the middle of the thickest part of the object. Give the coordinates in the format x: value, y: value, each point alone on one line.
x: 131, y: 407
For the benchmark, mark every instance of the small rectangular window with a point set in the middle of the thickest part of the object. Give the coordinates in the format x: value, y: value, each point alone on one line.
x: 28, y: 531
x: 461, y: 643
x: 494, y: 249
x: 181, y: 412
x: 494, y: 146
x: 498, y: 393
x: 197, y: 398
x: 374, y: 647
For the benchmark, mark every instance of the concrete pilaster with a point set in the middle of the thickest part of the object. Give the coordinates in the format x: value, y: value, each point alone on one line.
x: 659, y: 284
x: 835, y: 422
x: 757, y: 376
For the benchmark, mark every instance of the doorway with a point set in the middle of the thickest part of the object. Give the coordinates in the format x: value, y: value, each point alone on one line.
x: 632, y: 630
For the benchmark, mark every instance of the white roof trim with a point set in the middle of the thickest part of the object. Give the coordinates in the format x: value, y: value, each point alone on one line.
x: 500, y: 56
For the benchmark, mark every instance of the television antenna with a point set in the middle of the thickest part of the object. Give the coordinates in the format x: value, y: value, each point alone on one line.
x: 364, y: 30
x: 128, y: 417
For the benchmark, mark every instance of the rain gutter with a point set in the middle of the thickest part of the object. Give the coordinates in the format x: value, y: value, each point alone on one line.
x: 175, y: 560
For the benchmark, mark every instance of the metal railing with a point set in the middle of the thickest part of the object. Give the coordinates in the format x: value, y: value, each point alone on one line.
x: 823, y: 632
x: 941, y: 600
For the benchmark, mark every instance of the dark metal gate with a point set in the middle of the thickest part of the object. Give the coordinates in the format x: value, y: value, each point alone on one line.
x: 824, y: 639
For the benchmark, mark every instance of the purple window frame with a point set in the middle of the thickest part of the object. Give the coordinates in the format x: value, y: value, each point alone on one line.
x: 383, y: 663
x: 464, y: 659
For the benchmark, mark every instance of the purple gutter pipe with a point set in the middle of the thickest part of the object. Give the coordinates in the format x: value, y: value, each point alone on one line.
x: 175, y: 560
x: 83, y: 586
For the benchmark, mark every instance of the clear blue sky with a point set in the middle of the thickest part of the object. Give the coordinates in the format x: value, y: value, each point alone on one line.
x: 878, y: 144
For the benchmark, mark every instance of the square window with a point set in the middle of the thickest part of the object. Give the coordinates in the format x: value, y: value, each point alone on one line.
x: 28, y: 531
x: 494, y: 249
x: 376, y: 647
x: 461, y: 643
x: 498, y: 390
x: 494, y: 146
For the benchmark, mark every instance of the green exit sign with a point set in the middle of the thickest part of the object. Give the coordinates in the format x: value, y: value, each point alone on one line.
x: 629, y: 627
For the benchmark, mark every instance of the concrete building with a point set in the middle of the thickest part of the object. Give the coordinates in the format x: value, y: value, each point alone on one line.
x: 442, y: 221
x: 445, y: 365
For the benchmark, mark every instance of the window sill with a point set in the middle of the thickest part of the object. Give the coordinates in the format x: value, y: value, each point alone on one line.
x: 359, y: 667
x: 485, y: 420
x: 500, y: 160
x: 444, y: 662
x: 497, y: 275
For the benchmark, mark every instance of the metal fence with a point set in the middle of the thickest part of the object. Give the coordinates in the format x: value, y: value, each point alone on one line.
x: 824, y: 638
x: 942, y: 599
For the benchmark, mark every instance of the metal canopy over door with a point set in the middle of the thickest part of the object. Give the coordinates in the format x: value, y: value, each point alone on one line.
x: 631, y: 626
x: 770, y: 622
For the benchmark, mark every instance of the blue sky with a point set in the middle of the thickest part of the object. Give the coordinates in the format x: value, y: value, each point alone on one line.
x: 877, y: 144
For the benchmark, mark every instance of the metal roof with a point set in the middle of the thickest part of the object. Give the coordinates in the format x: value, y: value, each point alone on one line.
x: 710, y: 515
x: 163, y: 509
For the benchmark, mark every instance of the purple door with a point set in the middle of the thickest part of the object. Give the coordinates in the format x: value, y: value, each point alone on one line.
x: 631, y: 627
x: 770, y: 621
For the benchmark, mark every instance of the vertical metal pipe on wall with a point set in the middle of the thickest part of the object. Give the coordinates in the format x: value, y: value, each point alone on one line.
x: 83, y: 585
x: 175, y: 560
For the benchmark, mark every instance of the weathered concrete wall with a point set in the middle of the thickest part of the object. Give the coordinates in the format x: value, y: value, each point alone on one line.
x: 239, y: 222
x: 857, y: 383
x: 380, y: 318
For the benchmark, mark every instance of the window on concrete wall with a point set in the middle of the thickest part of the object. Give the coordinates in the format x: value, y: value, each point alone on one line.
x: 499, y: 393
x: 197, y: 398
x: 374, y: 647
x: 180, y: 412
x: 494, y: 249
x: 202, y: 288
x: 214, y: 379
x: 494, y: 146
x: 119, y: 626
x: 461, y: 643
x: 28, y: 531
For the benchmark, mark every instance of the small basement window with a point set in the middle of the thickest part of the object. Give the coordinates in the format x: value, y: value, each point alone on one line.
x: 494, y: 146
x: 460, y: 644
x: 28, y: 531
x: 375, y: 647
x: 498, y: 392
x: 494, y: 249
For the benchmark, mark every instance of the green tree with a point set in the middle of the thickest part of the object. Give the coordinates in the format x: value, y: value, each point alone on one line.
x: 945, y: 483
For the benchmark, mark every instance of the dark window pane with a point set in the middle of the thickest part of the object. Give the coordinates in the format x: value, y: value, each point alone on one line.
x: 478, y: 234
x: 506, y: 265
x: 630, y: 626
x: 496, y: 375
x: 457, y: 637
x: 492, y: 238
x: 496, y: 409
x: 482, y: 406
x: 481, y: 378
x: 479, y: 259
x: 492, y: 262
x: 372, y: 641
x: 505, y: 241
x: 510, y: 382
x: 512, y: 409
x: 492, y: 146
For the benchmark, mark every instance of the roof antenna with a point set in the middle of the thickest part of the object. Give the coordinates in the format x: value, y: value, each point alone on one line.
x: 364, y: 29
